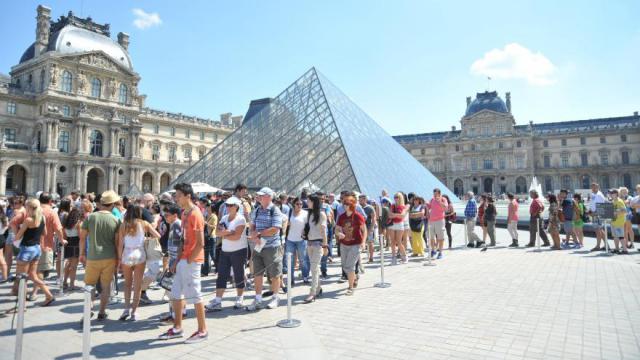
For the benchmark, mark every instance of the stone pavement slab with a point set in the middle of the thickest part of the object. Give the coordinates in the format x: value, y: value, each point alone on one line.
x: 499, y: 304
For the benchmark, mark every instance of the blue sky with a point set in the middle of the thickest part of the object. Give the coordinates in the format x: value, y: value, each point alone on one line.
x: 409, y: 64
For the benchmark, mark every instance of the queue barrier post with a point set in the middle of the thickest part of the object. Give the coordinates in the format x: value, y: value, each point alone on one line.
x: 606, y: 237
x: 382, y: 283
x: 538, y: 234
x: 289, y: 322
x: 61, y: 277
x: 22, y: 292
x: 86, y: 322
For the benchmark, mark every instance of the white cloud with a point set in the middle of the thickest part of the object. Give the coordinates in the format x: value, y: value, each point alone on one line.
x: 145, y: 20
x: 516, y: 62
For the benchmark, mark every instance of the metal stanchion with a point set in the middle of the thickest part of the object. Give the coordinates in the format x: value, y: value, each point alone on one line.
x: 382, y: 284
x: 86, y: 322
x: 538, y: 234
x: 429, y: 262
x: 21, y: 304
x: 61, y: 277
x: 289, y: 322
x: 466, y: 239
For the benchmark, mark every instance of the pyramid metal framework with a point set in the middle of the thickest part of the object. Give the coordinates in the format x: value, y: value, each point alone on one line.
x: 312, y: 136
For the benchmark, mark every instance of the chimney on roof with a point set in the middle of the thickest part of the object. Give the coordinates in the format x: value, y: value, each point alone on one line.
x: 635, y: 113
x: 123, y: 40
x: 453, y: 128
x: 468, y: 100
x: 42, y: 30
x: 508, y: 96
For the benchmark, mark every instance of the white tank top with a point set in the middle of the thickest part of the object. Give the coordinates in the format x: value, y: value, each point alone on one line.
x: 135, y: 241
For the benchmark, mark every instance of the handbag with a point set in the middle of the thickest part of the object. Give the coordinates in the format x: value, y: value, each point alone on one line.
x: 307, y: 228
x: 152, y: 249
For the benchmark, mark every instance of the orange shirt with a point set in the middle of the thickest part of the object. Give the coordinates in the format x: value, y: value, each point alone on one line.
x: 192, y: 224
x: 52, y: 224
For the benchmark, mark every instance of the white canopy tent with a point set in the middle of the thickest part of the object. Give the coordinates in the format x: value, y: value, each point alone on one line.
x: 200, y: 187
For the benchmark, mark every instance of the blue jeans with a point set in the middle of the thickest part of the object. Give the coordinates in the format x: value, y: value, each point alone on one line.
x: 300, y: 248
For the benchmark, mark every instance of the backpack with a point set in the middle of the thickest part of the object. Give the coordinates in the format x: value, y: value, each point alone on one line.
x: 583, y: 214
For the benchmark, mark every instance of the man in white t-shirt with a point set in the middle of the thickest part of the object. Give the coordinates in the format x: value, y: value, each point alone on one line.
x: 597, y: 198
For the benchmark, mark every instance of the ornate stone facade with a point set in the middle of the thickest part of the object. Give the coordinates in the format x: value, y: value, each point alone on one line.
x: 493, y: 154
x: 75, y: 120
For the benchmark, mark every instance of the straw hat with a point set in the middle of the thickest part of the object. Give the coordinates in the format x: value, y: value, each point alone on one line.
x: 109, y: 197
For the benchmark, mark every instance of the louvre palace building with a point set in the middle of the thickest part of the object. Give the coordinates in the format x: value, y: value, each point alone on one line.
x: 71, y: 117
x: 491, y: 154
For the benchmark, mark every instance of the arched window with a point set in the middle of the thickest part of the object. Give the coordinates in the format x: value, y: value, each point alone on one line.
x: 458, y: 187
x: 124, y: 94
x: 586, y: 181
x: 96, y: 143
x: 566, y: 182
x: 96, y: 87
x: 67, y: 81
x: 521, y: 185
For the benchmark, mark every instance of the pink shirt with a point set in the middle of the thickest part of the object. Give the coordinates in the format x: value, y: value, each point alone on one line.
x: 437, y: 208
x: 513, y: 211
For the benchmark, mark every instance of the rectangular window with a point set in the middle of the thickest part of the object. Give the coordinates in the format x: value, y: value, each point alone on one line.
x: 202, y: 135
x: 623, y: 138
x: 188, y: 133
x: 545, y: 143
x: 564, y: 142
x: 173, y: 131
x: 488, y: 164
x: 473, y: 147
x: 156, y: 129
x: 520, y: 162
x: 474, y: 164
x: 186, y: 153
x: 155, y: 152
x: 215, y: 137
x: 584, y: 159
x: 583, y: 141
x: 201, y: 153
x: 10, y: 135
x: 625, y: 158
x: 502, y: 162
x: 603, y: 140
x: 500, y: 128
x: 172, y: 153
x: 422, y: 151
x: 518, y: 143
x: 122, y: 146
x: 565, y: 160
x: 547, y: 161
x: 63, y: 141
x: 66, y: 110
x: 457, y: 147
x: 11, y: 108
x: 500, y: 145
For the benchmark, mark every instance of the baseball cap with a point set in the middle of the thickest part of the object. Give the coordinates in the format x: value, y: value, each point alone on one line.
x: 265, y: 191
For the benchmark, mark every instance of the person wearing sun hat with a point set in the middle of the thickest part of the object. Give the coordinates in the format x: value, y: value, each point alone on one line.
x: 102, y: 252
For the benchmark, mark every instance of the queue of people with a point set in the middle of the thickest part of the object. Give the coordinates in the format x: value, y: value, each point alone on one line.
x: 174, y: 241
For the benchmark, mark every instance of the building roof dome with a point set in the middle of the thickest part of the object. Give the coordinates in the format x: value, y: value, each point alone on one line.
x: 486, y: 100
x: 72, y: 35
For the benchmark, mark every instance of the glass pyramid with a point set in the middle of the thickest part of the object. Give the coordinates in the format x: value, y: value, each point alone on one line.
x: 312, y: 136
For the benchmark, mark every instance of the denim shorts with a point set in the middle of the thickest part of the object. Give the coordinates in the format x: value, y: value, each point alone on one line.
x: 29, y: 253
x: 617, y: 232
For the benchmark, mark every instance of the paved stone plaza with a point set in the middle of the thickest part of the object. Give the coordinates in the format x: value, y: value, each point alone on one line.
x: 500, y: 304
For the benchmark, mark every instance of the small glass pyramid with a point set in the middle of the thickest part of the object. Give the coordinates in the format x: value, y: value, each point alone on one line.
x: 312, y: 136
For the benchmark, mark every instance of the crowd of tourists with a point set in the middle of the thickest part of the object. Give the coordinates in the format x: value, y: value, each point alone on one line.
x: 172, y: 242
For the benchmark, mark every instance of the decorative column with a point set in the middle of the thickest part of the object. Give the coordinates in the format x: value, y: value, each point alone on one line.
x: 155, y: 189
x: 3, y: 177
x: 53, y: 176
x: 45, y: 184
x: 116, y: 179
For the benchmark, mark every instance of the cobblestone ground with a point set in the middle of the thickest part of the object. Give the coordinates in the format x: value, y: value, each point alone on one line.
x: 499, y: 304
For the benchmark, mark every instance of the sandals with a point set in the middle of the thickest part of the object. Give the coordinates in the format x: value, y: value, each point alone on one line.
x: 32, y: 297
x: 349, y: 292
x: 124, y: 316
x: 48, y: 302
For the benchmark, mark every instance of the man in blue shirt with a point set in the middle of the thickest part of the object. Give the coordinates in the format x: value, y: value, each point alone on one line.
x: 470, y: 213
x: 267, y: 254
x: 566, y: 206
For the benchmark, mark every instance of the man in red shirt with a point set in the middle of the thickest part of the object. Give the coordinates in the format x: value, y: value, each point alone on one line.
x: 535, y: 222
x: 186, y: 280
x: 351, y: 230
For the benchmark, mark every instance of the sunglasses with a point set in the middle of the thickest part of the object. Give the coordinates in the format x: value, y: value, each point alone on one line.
x: 298, y: 204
